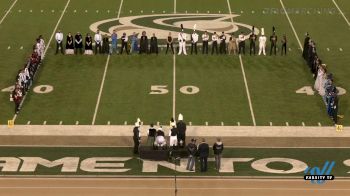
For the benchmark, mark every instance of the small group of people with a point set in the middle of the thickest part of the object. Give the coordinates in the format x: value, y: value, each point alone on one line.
x: 324, y: 83
x: 25, y: 76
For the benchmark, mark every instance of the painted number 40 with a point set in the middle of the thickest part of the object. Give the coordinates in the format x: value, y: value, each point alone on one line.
x: 163, y: 89
x: 309, y: 91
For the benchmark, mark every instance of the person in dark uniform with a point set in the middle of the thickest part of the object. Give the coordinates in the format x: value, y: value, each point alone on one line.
x: 143, y: 43
x: 88, y: 44
x: 241, y: 43
x: 203, y: 150
x: 69, y: 44
x: 218, y: 147
x: 205, y: 39
x: 173, y: 136
x: 306, y: 46
x: 194, y: 40
x: 154, y: 44
x: 273, y: 40
x: 105, y: 44
x: 222, y: 43
x: 151, y: 135
x: 124, y: 39
x: 214, y: 44
x: 169, y: 43
x: 192, y: 151
x: 78, y: 43
x: 284, y: 45
x: 17, y: 98
x: 252, y: 39
x: 136, y: 137
x: 181, y: 127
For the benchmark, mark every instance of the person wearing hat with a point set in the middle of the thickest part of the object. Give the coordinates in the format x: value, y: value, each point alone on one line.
x: 78, y: 43
x: 151, y: 135
x: 173, y: 135
x: 124, y: 39
x: 181, y: 127
x: 241, y: 43
x: 194, y: 40
x: 182, y: 42
x: 273, y: 40
x: 262, y: 43
x: 222, y: 43
x: 205, y: 39
x: 214, y: 43
x: 192, y: 151
x: 284, y: 45
x: 203, y: 150
x: 160, y: 139
x: 137, y: 136
x: 218, y: 147
x: 252, y: 39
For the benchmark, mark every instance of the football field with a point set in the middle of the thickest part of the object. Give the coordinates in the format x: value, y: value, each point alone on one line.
x: 207, y: 89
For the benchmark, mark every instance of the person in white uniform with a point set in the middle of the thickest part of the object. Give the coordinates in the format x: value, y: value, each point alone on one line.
x: 182, y: 42
x: 262, y: 42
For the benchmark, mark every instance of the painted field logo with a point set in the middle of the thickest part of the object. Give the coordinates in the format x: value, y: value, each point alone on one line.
x: 316, y: 175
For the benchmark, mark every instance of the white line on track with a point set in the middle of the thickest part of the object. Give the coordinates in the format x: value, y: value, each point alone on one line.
x: 8, y: 11
x: 291, y: 24
x: 243, y: 72
x: 48, y: 44
x: 104, y: 75
x: 336, y: 5
x: 174, y: 85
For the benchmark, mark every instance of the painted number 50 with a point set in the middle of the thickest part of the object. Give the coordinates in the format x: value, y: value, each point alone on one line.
x: 162, y: 89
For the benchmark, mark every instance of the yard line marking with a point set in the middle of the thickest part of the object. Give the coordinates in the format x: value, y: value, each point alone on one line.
x: 104, y: 76
x: 48, y: 44
x: 336, y: 5
x: 174, y: 85
x: 243, y: 73
x: 174, y: 6
x: 291, y: 24
x: 8, y: 11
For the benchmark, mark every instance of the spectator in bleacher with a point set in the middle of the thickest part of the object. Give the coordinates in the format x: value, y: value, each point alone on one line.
x: 181, y: 127
x: 151, y: 135
x: 78, y: 43
x: 70, y: 44
x: 192, y: 151
x: 114, y: 38
x: 203, y: 150
x: 98, y: 42
x: 218, y: 147
x: 88, y: 44
x: 105, y: 44
x: 154, y: 44
x: 59, y: 40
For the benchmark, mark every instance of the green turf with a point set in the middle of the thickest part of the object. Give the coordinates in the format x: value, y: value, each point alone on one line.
x: 312, y: 157
x: 222, y: 97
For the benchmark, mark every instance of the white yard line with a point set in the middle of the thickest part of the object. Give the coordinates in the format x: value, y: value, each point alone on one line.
x: 291, y: 25
x: 174, y: 85
x: 104, y: 75
x: 174, y: 6
x: 336, y: 5
x: 243, y: 73
x: 8, y: 11
x: 47, y: 47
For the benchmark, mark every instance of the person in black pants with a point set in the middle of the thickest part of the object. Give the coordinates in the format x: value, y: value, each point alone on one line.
x: 136, y: 138
x: 124, y: 39
x: 203, y: 150
x: 205, y: 38
x: 169, y: 43
x: 273, y: 39
x: 78, y: 43
x: 284, y: 45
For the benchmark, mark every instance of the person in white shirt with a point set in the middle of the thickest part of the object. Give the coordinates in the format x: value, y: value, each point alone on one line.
x: 42, y: 46
x: 262, y: 42
x: 205, y: 38
x: 194, y: 40
x: 241, y: 43
x: 59, y: 40
x: 182, y: 42
x: 214, y: 44
x: 98, y: 42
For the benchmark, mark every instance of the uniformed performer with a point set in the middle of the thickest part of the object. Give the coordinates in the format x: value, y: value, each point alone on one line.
x: 88, y: 44
x: 252, y: 39
x: 182, y: 42
x: 143, y: 43
x: 160, y: 140
x: 181, y: 127
x: 98, y: 42
x: 284, y: 45
x: 194, y: 40
x: 42, y: 46
x: 59, y: 40
x: 17, y: 98
x: 151, y: 135
x: 70, y: 44
x: 169, y: 43
x: 124, y: 39
x: 78, y: 43
x: 214, y: 44
x: 306, y: 46
x: 154, y: 44
x: 173, y: 136
x: 136, y: 136
x: 105, y: 44
x: 273, y: 40
x: 241, y: 43
x: 205, y: 39
x: 262, y: 43
x: 232, y: 45
x: 222, y: 43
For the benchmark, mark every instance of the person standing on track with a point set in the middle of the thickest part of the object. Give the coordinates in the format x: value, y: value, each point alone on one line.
x: 218, y: 147
x: 203, y: 150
